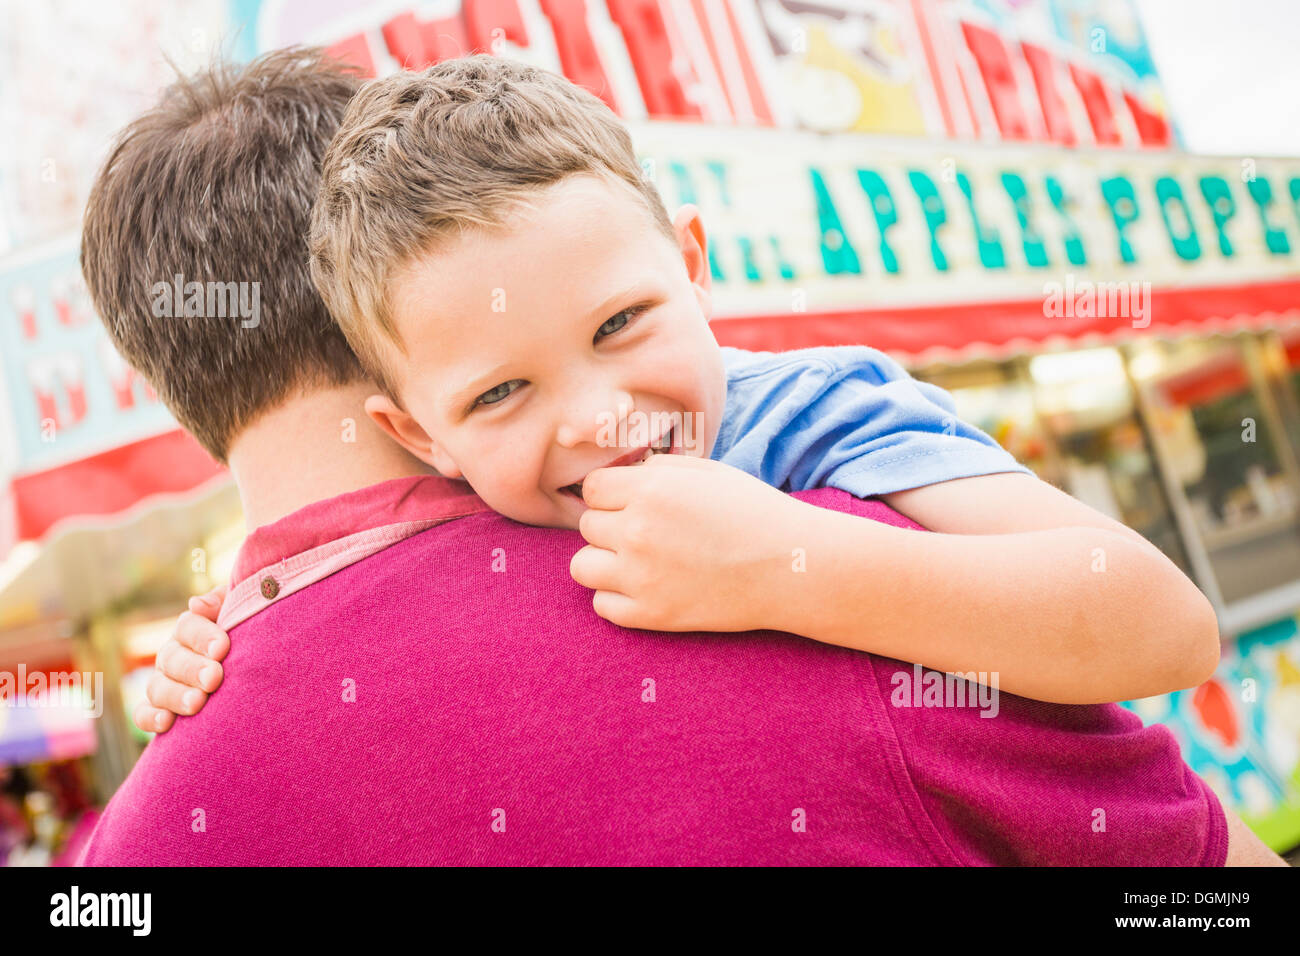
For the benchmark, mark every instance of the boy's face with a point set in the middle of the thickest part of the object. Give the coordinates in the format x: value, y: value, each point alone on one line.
x: 573, y: 339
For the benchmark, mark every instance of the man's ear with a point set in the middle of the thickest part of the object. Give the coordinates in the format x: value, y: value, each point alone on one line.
x: 694, y: 247
x: 410, y: 434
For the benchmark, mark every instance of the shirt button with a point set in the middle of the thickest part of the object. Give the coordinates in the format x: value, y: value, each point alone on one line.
x: 270, y: 588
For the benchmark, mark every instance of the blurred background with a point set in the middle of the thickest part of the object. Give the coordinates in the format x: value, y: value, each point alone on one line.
x: 1081, y: 217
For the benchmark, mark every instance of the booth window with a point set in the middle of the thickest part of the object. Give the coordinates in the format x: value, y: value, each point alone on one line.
x: 1224, y: 438
x: 1070, y: 417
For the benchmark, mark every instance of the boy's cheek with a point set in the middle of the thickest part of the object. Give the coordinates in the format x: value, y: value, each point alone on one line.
x: 511, y: 488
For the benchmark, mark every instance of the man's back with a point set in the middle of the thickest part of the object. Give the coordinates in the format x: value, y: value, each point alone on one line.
x: 453, y: 699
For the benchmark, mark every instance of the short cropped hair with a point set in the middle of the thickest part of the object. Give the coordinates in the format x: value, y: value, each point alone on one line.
x: 215, y: 184
x: 422, y: 157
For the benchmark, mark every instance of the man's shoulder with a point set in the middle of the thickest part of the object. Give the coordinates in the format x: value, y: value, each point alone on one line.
x: 144, y: 824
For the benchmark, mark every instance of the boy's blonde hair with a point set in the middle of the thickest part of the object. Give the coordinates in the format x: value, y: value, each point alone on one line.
x: 422, y: 156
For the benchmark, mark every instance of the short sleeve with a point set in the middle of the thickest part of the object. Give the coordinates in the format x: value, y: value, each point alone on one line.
x: 850, y: 418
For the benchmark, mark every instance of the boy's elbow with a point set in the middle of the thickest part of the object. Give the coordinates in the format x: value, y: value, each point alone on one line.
x: 1183, y: 631
x: 1200, y: 644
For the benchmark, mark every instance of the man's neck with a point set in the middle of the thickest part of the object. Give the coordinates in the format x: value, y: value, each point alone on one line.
x: 315, y: 445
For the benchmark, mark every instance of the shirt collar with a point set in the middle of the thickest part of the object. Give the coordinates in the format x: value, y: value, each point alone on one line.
x: 422, y: 498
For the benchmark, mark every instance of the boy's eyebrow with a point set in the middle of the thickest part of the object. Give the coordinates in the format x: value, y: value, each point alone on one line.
x: 602, y: 311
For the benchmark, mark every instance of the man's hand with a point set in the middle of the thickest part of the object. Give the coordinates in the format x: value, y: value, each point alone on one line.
x: 684, y: 544
x: 188, y: 667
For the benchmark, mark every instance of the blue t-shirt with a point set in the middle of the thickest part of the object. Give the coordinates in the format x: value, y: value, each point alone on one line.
x: 846, y: 417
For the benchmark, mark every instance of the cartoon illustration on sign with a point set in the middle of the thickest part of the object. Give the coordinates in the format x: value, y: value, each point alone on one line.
x: 844, y: 65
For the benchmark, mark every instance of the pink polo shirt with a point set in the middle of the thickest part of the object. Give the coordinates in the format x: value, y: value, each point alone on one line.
x: 414, y: 679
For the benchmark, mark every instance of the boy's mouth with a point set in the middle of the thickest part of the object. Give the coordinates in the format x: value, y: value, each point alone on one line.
x: 664, y: 445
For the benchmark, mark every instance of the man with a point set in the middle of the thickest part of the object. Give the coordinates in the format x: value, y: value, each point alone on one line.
x: 414, y: 679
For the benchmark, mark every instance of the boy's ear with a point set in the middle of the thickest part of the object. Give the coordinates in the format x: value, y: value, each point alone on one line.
x: 694, y: 247
x: 410, y: 434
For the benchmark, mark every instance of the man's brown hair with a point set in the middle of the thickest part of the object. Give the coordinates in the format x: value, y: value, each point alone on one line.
x: 215, y: 185
x: 422, y: 157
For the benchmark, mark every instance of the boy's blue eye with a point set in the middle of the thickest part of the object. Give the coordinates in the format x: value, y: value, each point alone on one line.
x: 618, y: 322
x: 498, y: 392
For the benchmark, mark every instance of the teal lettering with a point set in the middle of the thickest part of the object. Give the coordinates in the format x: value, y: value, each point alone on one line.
x: 1222, y: 208
x: 1294, y: 187
x: 838, y: 255
x: 1274, y: 237
x: 885, y: 212
x: 782, y: 263
x: 988, y: 243
x: 1187, y: 246
x: 1074, y: 250
x: 747, y: 254
x: 686, y: 194
x: 1035, y: 251
x: 1119, y: 195
x: 935, y: 216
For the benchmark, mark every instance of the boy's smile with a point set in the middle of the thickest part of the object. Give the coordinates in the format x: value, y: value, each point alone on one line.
x: 665, y: 444
x: 573, y: 339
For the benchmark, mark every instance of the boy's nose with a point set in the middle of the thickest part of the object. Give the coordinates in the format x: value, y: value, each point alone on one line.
x: 594, y: 422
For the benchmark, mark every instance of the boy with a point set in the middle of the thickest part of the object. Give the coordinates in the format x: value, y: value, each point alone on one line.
x: 485, y: 239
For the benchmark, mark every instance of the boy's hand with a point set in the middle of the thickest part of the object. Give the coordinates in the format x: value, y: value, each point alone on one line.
x: 686, y: 544
x: 187, y: 665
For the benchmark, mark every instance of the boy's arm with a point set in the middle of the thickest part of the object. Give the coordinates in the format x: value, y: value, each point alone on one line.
x: 188, y: 667
x: 1081, y: 613
x: 1064, y: 604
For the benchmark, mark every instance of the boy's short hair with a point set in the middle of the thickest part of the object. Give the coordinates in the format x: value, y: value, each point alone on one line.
x: 215, y: 184
x: 421, y: 157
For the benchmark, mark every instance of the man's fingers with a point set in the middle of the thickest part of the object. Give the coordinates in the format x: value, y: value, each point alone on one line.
x: 152, y: 720
x: 186, y: 667
x: 595, y: 568
x: 200, y: 635
x: 174, y: 696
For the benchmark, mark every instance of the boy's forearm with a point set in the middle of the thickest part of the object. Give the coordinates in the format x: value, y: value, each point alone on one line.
x: 1069, y: 615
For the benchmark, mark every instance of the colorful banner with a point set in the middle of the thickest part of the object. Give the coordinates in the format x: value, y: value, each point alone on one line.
x: 1023, y: 243
x: 1056, y: 71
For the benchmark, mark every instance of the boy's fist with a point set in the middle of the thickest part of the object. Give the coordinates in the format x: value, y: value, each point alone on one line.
x: 686, y: 544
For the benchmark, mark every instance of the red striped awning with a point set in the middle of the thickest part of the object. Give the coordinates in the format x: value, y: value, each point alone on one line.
x: 106, y: 484
x: 959, y: 332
